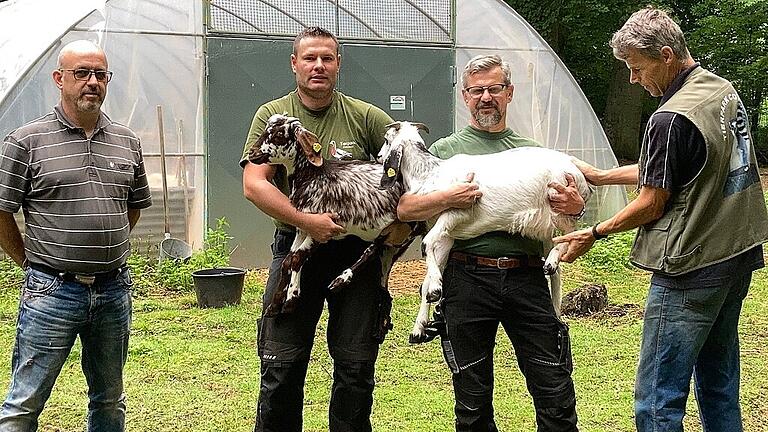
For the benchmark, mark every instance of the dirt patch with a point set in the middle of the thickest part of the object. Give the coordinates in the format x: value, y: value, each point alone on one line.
x: 406, y: 277
x: 764, y: 178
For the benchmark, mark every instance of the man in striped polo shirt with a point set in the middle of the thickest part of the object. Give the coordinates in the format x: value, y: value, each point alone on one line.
x: 80, y: 179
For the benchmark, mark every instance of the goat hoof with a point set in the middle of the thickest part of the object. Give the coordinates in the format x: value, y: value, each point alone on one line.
x: 434, y: 296
x: 549, y: 269
x: 418, y: 338
x: 342, y: 280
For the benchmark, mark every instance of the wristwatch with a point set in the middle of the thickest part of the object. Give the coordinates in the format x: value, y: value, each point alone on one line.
x: 596, y: 234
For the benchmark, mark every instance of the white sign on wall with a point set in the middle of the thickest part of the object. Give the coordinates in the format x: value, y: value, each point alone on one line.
x: 397, y: 103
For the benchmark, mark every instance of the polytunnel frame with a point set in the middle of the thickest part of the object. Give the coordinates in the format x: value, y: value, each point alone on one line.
x: 203, y: 31
x: 380, y: 39
x: 187, y: 32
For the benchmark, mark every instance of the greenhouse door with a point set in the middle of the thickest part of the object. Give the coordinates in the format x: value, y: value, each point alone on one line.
x: 408, y: 83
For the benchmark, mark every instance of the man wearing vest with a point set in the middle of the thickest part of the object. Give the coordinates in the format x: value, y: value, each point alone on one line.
x: 702, y: 219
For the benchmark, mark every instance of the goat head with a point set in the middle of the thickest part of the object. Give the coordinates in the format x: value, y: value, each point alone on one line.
x: 391, y: 152
x: 280, y: 141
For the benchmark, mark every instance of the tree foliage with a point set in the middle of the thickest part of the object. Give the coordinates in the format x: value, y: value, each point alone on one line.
x: 726, y: 36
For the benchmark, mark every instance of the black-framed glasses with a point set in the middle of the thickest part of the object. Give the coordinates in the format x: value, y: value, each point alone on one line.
x: 83, y: 74
x: 494, y: 90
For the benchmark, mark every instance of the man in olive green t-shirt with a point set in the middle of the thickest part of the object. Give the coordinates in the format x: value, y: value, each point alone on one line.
x: 481, y: 290
x: 343, y: 124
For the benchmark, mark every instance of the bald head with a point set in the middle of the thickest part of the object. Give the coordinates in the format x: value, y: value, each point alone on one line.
x: 77, y: 49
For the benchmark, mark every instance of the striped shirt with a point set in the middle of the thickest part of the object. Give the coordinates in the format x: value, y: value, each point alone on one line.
x: 75, y: 191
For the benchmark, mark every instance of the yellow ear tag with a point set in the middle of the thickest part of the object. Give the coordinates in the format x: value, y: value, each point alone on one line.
x: 317, y: 147
x: 391, y: 172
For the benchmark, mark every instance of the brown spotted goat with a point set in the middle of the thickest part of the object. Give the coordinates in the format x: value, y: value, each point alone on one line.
x: 323, y: 186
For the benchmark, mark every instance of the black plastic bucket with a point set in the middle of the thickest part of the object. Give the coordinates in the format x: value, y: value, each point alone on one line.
x: 218, y: 287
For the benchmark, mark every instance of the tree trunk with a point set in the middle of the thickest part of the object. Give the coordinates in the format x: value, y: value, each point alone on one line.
x: 623, y: 114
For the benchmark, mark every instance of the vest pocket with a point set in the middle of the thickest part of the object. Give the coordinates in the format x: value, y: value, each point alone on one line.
x: 675, y: 260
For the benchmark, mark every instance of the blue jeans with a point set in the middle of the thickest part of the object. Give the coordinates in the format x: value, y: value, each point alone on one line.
x: 690, y: 333
x: 52, y: 313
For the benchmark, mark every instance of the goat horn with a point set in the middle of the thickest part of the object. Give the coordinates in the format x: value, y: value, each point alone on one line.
x: 395, y: 125
x: 421, y: 126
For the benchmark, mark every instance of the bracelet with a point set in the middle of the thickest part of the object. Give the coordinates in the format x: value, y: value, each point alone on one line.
x: 580, y: 214
x: 596, y: 234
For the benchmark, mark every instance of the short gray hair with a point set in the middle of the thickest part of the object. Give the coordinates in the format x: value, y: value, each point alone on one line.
x: 648, y: 31
x: 483, y: 63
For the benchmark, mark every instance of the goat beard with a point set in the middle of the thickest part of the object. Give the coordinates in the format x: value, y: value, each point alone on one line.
x: 487, y: 120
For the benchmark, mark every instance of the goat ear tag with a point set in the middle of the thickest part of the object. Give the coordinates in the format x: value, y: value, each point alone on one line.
x: 317, y: 147
x: 391, y: 172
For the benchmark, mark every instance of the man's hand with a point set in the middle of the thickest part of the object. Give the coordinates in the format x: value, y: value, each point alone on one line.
x: 591, y: 173
x: 567, y: 199
x: 463, y: 194
x: 321, y: 226
x: 579, y: 243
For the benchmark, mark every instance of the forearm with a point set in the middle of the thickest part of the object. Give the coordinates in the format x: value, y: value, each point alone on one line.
x: 259, y: 190
x: 625, y: 175
x: 133, y: 218
x: 413, y: 207
x: 274, y: 203
x: 10, y: 238
x: 646, y: 208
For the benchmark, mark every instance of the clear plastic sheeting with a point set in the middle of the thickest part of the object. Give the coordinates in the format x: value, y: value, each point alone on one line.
x: 155, y: 49
x: 384, y: 20
x: 547, y: 104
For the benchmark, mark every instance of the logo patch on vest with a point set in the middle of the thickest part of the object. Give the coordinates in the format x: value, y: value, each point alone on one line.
x: 742, y: 173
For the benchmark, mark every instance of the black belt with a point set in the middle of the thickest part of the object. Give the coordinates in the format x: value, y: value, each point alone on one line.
x: 82, y: 278
x: 500, y: 263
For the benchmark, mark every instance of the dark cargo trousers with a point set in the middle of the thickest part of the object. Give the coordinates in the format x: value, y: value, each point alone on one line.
x: 284, y: 342
x: 476, y: 300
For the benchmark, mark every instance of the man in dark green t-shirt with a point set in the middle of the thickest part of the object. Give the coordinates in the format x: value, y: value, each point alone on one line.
x: 478, y: 296
x: 344, y: 124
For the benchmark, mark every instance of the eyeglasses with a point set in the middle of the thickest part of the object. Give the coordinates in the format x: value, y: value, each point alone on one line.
x: 85, y: 74
x: 493, y: 90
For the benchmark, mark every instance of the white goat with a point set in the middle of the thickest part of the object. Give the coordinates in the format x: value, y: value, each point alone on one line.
x: 348, y: 188
x: 515, y: 191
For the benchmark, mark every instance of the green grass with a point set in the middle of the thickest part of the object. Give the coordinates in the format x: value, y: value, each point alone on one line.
x: 193, y: 369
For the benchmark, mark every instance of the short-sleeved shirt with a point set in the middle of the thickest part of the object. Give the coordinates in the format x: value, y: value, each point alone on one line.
x: 75, y: 191
x: 477, y: 142
x: 674, y: 152
x: 347, y: 124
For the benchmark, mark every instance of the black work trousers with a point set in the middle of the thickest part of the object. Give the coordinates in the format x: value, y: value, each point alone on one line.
x: 285, y: 341
x: 476, y: 300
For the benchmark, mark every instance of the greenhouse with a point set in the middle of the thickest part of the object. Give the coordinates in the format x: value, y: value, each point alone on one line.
x: 190, y: 74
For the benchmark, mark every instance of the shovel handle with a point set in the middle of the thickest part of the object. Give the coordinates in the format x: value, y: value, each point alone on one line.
x: 162, y: 168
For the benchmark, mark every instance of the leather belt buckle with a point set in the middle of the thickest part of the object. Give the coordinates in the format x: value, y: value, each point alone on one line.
x: 502, y: 262
x: 85, y: 279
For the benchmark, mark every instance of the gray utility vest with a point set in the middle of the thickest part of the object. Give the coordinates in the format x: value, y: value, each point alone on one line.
x: 721, y: 212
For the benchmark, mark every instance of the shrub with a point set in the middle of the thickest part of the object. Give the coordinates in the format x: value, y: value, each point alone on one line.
x: 173, y: 275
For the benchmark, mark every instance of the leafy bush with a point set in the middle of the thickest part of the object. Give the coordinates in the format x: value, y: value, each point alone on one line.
x: 610, y: 254
x: 173, y: 275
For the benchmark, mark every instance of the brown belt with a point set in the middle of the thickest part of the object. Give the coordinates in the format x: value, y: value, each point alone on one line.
x: 500, y: 263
